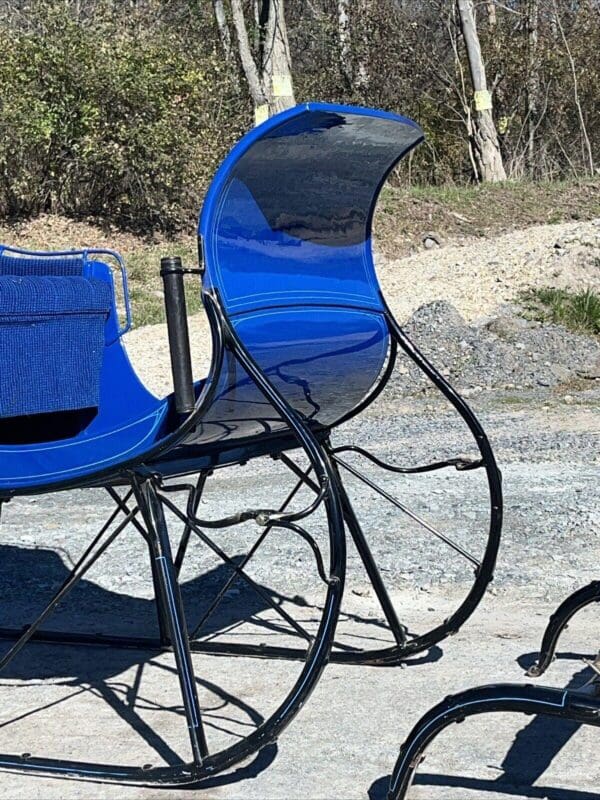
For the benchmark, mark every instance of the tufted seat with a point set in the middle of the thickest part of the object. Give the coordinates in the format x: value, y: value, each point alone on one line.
x: 51, y: 343
x: 69, y: 400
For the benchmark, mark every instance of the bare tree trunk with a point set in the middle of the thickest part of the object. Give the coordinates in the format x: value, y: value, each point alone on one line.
x: 223, y: 27
x: 554, y: 23
x: 248, y: 65
x: 268, y: 71
x: 485, y: 137
x: 345, y: 41
x: 361, y: 72
x: 584, y: 134
x: 277, y: 62
x: 491, y: 12
x: 533, y: 81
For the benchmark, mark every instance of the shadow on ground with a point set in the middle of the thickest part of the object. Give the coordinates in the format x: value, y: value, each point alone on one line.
x: 30, y: 577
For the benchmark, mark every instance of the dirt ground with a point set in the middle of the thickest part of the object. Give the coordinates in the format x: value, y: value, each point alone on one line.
x: 345, y: 741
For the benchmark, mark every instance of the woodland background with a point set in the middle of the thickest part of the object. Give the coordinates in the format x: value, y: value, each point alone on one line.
x: 122, y: 109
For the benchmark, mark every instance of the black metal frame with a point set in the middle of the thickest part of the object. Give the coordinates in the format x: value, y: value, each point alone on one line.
x: 577, y: 706
x: 558, y: 622
x: 150, y: 494
x: 524, y: 699
x: 404, y: 646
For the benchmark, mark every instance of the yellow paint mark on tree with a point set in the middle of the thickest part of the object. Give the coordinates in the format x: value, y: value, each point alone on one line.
x: 261, y: 113
x: 483, y: 100
x: 282, y: 86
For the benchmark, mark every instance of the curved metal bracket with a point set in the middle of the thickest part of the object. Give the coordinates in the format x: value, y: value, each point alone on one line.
x: 460, y: 464
x: 521, y: 698
x: 559, y: 621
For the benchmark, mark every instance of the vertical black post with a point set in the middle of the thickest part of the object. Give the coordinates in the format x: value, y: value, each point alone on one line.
x: 163, y: 625
x: 170, y: 596
x: 171, y: 271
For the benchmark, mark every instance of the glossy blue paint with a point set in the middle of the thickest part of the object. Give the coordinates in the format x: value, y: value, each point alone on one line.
x: 287, y: 219
x: 286, y: 231
x: 327, y: 354
x: 129, y: 419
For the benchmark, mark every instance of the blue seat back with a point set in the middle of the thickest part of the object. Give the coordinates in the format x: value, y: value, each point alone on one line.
x: 286, y: 234
x: 13, y: 262
x: 70, y: 402
x: 57, y: 313
x: 51, y: 343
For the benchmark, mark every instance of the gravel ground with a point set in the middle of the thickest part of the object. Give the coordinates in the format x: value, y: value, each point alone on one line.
x: 551, y: 545
x: 535, y: 389
x: 345, y: 741
x: 506, y: 352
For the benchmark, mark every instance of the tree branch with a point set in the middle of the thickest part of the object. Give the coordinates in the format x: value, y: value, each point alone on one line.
x: 223, y: 28
x: 248, y: 64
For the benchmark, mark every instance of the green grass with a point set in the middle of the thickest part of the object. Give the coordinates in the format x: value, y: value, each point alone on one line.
x: 145, y: 284
x: 577, y: 311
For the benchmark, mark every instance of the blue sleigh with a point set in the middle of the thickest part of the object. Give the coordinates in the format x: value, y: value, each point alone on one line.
x: 302, y: 341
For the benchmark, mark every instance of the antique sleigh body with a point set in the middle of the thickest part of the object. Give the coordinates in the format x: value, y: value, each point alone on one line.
x: 302, y: 341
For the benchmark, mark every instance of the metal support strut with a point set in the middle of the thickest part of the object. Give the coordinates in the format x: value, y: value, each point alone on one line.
x: 152, y: 510
x: 558, y: 622
x: 150, y: 503
x: 524, y: 699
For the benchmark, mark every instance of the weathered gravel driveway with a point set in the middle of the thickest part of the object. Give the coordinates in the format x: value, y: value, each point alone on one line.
x: 344, y: 743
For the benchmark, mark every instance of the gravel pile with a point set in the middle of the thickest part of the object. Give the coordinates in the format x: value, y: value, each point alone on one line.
x: 476, y: 337
x: 480, y: 275
x: 506, y: 352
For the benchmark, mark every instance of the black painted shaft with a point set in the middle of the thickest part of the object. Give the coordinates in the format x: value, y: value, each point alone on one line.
x: 171, y: 271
